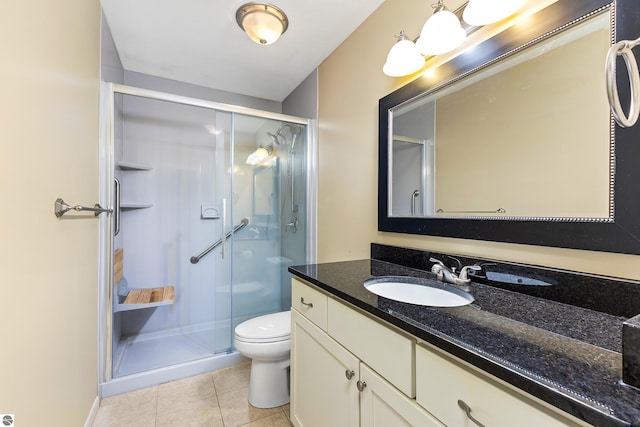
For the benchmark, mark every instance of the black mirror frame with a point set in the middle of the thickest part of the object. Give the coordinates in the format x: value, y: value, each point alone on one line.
x: 620, y: 235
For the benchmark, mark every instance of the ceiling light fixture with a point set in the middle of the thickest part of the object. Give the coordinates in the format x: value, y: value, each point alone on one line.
x: 263, y: 23
x: 484, y: 12
x: 403, y: 58
x: 260, y: 155
x: 441, y: 33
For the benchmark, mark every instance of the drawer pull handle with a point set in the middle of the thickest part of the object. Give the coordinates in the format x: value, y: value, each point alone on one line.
x: 349, y: 374
x: 467, y: 409
x: 360, y: 385
x: 309, y: 304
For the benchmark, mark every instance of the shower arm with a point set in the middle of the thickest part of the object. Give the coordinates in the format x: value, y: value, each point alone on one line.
x: 197, y: 258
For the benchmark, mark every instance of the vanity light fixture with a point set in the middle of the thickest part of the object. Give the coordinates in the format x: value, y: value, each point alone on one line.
x: 441, y: 33
x: 260, y: 155
x: 403, y: 58
x: 263, y: 23
x: 484, y: 12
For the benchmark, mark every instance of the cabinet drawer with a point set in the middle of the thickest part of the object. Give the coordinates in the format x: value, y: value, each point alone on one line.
x: 441, y: 382
x: 309, y: 302
x: 384, y: 350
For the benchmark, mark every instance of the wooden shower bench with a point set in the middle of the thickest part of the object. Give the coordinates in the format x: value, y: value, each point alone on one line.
x: 134, y: 299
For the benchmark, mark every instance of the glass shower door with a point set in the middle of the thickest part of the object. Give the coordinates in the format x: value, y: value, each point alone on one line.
x: 268, y: 191
x: 172, y: 161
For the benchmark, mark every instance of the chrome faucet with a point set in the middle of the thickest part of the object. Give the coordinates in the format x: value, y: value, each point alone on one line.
x: 446, y: 275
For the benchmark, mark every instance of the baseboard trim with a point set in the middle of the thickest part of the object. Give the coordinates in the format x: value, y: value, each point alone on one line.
x: 92, y: 413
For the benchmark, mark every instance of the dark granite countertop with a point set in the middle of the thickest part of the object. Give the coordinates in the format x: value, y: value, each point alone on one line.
x: 565, y: 355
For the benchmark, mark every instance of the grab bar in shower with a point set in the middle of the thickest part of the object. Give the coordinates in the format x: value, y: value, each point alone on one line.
x: 195, y: 259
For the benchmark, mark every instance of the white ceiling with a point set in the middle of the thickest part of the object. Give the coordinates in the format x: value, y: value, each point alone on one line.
x: 199, y: 41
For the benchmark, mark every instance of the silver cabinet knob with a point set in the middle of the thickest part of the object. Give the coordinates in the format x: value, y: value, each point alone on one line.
x: 349, y: 374
x: 360, y: 385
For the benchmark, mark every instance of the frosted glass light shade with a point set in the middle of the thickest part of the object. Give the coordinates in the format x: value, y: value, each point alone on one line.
x: 260, y: 155
x: 403, y: 59
x: 484, y: 12
x: 441, y: 33
x: 263, y: 23
x: 262, y: 28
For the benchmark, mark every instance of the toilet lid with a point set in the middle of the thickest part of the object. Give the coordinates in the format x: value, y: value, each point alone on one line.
x: 270, y: 327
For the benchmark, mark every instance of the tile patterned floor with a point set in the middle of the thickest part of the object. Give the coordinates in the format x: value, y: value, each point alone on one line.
x: 215, y: 399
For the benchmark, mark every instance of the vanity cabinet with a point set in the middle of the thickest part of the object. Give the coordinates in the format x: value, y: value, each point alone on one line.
x: 349, y: 369
x: 330, y: 385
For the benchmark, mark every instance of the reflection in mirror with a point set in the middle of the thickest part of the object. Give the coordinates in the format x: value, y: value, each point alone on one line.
x: 264, y: 189
x: 527, y: 137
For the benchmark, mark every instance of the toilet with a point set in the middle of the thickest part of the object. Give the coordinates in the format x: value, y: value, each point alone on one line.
x: 266, y: 340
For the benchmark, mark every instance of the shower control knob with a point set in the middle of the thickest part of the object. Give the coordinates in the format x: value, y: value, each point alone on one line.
x: 349, y: 374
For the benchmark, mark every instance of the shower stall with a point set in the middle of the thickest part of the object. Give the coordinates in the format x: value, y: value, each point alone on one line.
x: 211, y: 204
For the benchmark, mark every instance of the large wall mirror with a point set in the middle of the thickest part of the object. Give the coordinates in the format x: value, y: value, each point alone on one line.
x: 514, y: 140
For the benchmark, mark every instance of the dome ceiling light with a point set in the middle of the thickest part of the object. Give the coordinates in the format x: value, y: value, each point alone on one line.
x: 263, y: 23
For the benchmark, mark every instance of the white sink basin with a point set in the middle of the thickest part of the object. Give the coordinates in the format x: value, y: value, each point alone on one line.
x: 418, y: 291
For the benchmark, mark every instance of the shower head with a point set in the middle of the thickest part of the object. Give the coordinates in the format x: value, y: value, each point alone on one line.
x: 275, y: 137
x: 294, y: 130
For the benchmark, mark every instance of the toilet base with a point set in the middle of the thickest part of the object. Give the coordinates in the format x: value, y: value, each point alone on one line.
x: 269, y: 383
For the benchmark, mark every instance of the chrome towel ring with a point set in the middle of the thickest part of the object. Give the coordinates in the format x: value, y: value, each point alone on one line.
x: 623, y: 48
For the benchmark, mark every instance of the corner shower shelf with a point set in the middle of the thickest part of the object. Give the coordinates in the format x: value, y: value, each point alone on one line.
x: 128, y: 166
x: 125, y: 206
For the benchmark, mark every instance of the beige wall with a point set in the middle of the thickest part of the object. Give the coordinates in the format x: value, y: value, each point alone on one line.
x: 510, y: 130
x: 48, y: 267
x: 350, y: 84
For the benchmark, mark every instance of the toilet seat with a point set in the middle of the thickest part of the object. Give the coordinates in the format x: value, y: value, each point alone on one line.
x: 265, y: 329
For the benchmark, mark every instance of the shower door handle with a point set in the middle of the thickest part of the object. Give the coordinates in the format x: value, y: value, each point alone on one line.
x: 116, y: 211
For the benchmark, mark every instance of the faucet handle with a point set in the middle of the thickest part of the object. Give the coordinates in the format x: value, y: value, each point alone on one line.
x: 436, y: 261
x: 437, y: 268
x: 464, y: 273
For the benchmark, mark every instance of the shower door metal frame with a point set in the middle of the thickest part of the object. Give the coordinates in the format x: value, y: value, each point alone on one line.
x: 106, y: 197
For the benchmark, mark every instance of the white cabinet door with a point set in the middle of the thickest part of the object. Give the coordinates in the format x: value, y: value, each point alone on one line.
x: 382, y: 405
x: 321, y: 393
x: 386, y: 351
